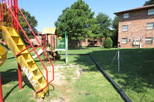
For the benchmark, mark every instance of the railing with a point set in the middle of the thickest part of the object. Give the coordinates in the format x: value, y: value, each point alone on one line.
x: 14, y: 23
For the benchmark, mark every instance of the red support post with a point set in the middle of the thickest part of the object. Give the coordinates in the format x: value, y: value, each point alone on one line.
x: 1, y: 94
x: 5, y: 15
x: 54, y: 45
x: 16, y: 11
x: 12, y: 15
x: 17, y: 28
x: 51, y: 47
x: 9, y: 14
x: 19, y: 76
x: 0, y: 14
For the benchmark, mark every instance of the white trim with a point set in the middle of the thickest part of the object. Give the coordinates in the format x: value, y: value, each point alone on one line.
x: 151, y: 12
x: 126, y: 15
x: 149, y: 40
x: 124, y: 40
x: 150, y: 26
x: 125, y: 28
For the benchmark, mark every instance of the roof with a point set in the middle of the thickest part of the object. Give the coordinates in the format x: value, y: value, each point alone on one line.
x: 138, y: 8
x: 39, y: 32
x: 51, y: 31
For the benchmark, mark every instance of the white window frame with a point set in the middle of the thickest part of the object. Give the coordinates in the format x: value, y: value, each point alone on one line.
x: 150, y: 25
x: 151, y: 11
x: 125, y: 28
x: 148, y: 40
x: 124, y: 42
x: 126, y: 15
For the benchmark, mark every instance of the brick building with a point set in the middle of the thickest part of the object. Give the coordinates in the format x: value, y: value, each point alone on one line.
x: 136, y: 27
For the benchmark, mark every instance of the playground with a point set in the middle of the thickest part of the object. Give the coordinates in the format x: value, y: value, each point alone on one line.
x: 53, y: 72
x: 134, y: 78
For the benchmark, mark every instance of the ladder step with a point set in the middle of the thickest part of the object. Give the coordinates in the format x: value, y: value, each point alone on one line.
x: 38, y: 77
x: 29, y: 60
x: 25, y: 52
x: 15, y: 36
x: 19, y: 44
x: 33, y: 69
x: 43, y: 85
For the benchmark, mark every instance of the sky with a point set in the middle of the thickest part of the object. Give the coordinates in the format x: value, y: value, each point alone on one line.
x: 47, y: 12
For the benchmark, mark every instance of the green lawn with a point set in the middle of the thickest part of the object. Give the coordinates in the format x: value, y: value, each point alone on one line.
x: 135, y: 77
x: 136, y: 74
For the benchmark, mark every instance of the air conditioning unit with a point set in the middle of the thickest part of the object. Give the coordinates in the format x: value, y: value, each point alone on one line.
x: 136, y: 42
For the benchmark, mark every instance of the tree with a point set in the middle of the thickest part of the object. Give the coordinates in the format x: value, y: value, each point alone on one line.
x: 108, y: 42
x: 75, y: 20
x: 149, y: 2
x: 115, y: 26
x: 31, y: 20
x: 104, y: 22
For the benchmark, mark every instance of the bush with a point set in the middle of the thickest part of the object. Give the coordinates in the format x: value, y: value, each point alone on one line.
x: 108, y: 42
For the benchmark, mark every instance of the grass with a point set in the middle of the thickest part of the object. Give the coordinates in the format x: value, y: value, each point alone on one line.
x: 136, y: 73
x: 135, y: 77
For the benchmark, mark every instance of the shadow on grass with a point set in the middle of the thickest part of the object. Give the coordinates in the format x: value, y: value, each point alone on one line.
x: 136, y: 67
x: 10, y: 76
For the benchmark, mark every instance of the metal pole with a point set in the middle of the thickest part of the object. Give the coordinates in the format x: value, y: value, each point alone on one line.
x: 66, y: 47
x: 19, y: 76
x: 54, y: 45
x: 51, y: 47
x: 119, y: 56
x: 118, y: 60
x: 1, y: 94
x: 17, y: 28
x: 0, y: 14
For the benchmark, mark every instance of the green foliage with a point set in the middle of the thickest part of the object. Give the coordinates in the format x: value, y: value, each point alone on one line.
x: 104, y: 22
x: 75, y: 20
x: 149, y: 2
x: 108, y: 42
x: 115, y: 26
x: 31, y: 20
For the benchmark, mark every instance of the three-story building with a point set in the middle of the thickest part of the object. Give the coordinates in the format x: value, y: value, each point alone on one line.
x: 136, y: 27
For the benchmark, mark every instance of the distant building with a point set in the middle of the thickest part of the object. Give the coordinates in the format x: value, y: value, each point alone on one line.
x: 136, y: 27
x: 39, y: 37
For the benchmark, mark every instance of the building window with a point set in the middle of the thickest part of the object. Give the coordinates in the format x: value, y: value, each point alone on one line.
x: 125, y: 28
x: 149, y: 40
x: 124, y: 40
x: 126, y: 15
x: 151, y: 12
x: 150, y: 25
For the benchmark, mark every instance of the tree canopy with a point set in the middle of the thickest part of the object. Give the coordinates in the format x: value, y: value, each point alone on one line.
x: 104, y: 22
x: 32, y: 21
x: 115, y: 26
x: 75, y: 20
x: 149, y: 2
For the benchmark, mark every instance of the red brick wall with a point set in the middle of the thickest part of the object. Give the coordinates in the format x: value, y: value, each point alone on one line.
x: 137, y: 23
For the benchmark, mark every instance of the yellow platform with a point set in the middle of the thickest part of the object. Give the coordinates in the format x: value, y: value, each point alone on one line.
x: 3, y: 55
x: 25, y: 60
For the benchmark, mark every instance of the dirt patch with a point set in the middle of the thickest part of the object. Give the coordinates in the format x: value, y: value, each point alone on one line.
x: 64, y: 75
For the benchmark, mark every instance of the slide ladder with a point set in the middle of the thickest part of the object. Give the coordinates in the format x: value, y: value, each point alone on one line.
x: 27, y: 63
x: 9, y: 26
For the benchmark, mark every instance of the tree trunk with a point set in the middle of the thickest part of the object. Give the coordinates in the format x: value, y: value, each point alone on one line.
x: 80, y: 44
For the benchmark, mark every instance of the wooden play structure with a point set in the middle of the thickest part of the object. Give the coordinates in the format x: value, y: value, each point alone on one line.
x: 57, y: 44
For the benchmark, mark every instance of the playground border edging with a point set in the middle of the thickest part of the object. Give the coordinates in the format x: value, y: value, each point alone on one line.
x: 120, y: 91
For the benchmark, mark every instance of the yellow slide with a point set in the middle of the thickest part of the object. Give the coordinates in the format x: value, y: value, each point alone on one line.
x: 25, y: 60
x: 3, y: 55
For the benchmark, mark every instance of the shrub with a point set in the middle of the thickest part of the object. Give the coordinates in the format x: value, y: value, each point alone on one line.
x: 108, y: 42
